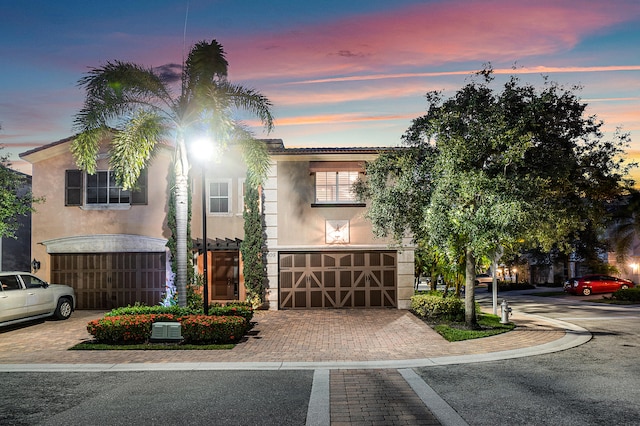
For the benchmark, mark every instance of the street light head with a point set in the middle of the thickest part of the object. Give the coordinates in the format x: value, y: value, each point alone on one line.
x: 203, y: 148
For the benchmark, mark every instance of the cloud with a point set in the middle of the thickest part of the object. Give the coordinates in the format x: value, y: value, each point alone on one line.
x: 519, y: 70
x: 422, y: 35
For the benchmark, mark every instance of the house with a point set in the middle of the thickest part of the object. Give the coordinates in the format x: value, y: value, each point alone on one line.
x: 110, y: 244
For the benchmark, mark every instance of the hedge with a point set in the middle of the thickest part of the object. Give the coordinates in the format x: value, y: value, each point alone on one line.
x: 234, y: 308
x: 196, y: 329
x: 627, y: 294
x: 438, y: 307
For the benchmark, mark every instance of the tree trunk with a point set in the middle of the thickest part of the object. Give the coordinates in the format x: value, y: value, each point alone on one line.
x: 182, y: 215
x: 469, y: 293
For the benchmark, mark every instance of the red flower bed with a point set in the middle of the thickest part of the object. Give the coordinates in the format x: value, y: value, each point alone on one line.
x: 212, y: 329
x: 195, y: 328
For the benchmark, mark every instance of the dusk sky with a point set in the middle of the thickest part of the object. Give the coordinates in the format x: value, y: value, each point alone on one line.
x: 339, y: 73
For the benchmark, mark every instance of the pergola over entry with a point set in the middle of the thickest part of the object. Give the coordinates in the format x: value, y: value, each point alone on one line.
x: 226, y: 244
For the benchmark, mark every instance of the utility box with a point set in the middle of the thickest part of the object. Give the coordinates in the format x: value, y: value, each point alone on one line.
x: 166, y: 332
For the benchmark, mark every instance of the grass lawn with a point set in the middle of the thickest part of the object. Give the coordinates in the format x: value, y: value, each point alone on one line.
x: 490, y: 324
x: 148, y: 347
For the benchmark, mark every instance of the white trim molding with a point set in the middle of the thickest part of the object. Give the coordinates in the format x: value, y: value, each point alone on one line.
x: 106, y: 243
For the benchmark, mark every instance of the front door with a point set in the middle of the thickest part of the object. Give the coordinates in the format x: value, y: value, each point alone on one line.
x: 223, y: 275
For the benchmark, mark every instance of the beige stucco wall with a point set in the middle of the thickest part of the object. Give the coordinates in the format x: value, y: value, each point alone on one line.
x: 227, y: 167
x: 52, y: 220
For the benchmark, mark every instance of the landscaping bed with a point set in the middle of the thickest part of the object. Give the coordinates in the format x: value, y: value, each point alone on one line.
x: 131, y: 327
x: 446, y: 315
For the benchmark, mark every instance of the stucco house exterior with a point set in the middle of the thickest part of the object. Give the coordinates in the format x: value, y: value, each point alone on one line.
x: 110, y: 244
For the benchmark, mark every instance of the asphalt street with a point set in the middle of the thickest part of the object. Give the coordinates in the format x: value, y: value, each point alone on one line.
x: 597, y: 383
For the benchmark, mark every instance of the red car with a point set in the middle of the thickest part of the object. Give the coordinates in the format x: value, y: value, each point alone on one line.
x: 589, y: 284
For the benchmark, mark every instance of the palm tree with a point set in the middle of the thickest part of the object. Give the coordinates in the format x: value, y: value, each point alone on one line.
x: 137, y: 107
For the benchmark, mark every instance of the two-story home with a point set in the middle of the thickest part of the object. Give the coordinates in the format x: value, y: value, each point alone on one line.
x: 110, y: 244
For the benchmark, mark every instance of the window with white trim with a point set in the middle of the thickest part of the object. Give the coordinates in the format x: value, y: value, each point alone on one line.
x: 219, y: 196
x: 336, y: 187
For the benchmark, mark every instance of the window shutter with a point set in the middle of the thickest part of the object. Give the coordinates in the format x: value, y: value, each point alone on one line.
x: 139, y: 194
x: 73, y: 188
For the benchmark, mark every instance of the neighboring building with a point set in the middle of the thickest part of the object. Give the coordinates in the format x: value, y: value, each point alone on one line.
x: 15, y: 253
x: 110, y: 245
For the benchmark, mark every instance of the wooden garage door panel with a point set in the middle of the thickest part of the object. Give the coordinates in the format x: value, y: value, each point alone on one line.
x: 337, y: 279
x: 109, y: 280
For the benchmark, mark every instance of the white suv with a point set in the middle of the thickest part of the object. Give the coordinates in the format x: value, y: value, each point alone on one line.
x: 25, y: 297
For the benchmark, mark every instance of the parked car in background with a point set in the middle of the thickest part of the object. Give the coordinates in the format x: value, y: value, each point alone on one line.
x: 483, y: 279
x: 591, y: 284
x: 25, y: 297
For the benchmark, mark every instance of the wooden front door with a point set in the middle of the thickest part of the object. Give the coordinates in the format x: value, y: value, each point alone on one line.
x: 223, y: 274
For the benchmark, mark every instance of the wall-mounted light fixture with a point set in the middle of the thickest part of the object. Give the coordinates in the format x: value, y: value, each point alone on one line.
x: 336, y: 232
x: 35, y: 265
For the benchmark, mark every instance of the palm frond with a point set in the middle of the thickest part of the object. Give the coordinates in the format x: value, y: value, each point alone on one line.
x: 245, y: 99
x: 205, y: 66
x: 133, y: 146
x: 85, y: 147
x: 255, y: 154
x: 117, y: 89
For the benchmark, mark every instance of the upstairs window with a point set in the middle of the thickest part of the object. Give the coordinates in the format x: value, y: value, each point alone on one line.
x: 219, y: 197
x: 334, y: 182
x: 336, y: 187
x: 101, y: 190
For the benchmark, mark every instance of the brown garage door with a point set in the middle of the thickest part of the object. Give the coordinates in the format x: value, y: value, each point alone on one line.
x: 337, y: 280
x: 110, y: 280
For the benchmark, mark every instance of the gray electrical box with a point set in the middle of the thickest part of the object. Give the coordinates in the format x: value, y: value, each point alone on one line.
x: 166, y: 332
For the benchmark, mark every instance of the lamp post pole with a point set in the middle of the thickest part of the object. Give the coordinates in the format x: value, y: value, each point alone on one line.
x: 205, y: 257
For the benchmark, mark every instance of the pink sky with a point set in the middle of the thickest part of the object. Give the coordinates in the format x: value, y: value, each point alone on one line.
x: 338, y: 74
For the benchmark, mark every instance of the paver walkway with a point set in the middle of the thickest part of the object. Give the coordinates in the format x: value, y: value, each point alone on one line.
x: 280, y: 336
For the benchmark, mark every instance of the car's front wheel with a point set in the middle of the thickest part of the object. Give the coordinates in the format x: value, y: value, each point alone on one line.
x: 64, y: 309
x: 586, y: 291
x: 624, y: 287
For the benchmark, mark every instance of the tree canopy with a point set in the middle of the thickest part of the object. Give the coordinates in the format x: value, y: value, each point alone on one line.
x: 487, y: 167
x: 16, y: 198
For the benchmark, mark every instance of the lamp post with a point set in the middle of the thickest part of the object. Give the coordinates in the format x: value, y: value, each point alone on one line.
x: 205, y: 251
x: 203, y: 149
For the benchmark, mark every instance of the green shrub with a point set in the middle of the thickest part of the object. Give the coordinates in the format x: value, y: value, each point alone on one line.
x: 199, y: 329
x: 240, y: 309
x: 125, y: 328
x: 507, y: 286
x: 237, y: 308
x: 138, y: 309
x: 627, y: 295
x: 438, y: 307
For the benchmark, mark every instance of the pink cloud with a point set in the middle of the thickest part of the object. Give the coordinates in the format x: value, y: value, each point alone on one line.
x: 424, y: 34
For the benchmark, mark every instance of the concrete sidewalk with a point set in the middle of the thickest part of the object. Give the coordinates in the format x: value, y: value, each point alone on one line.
x: 362, y: 359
